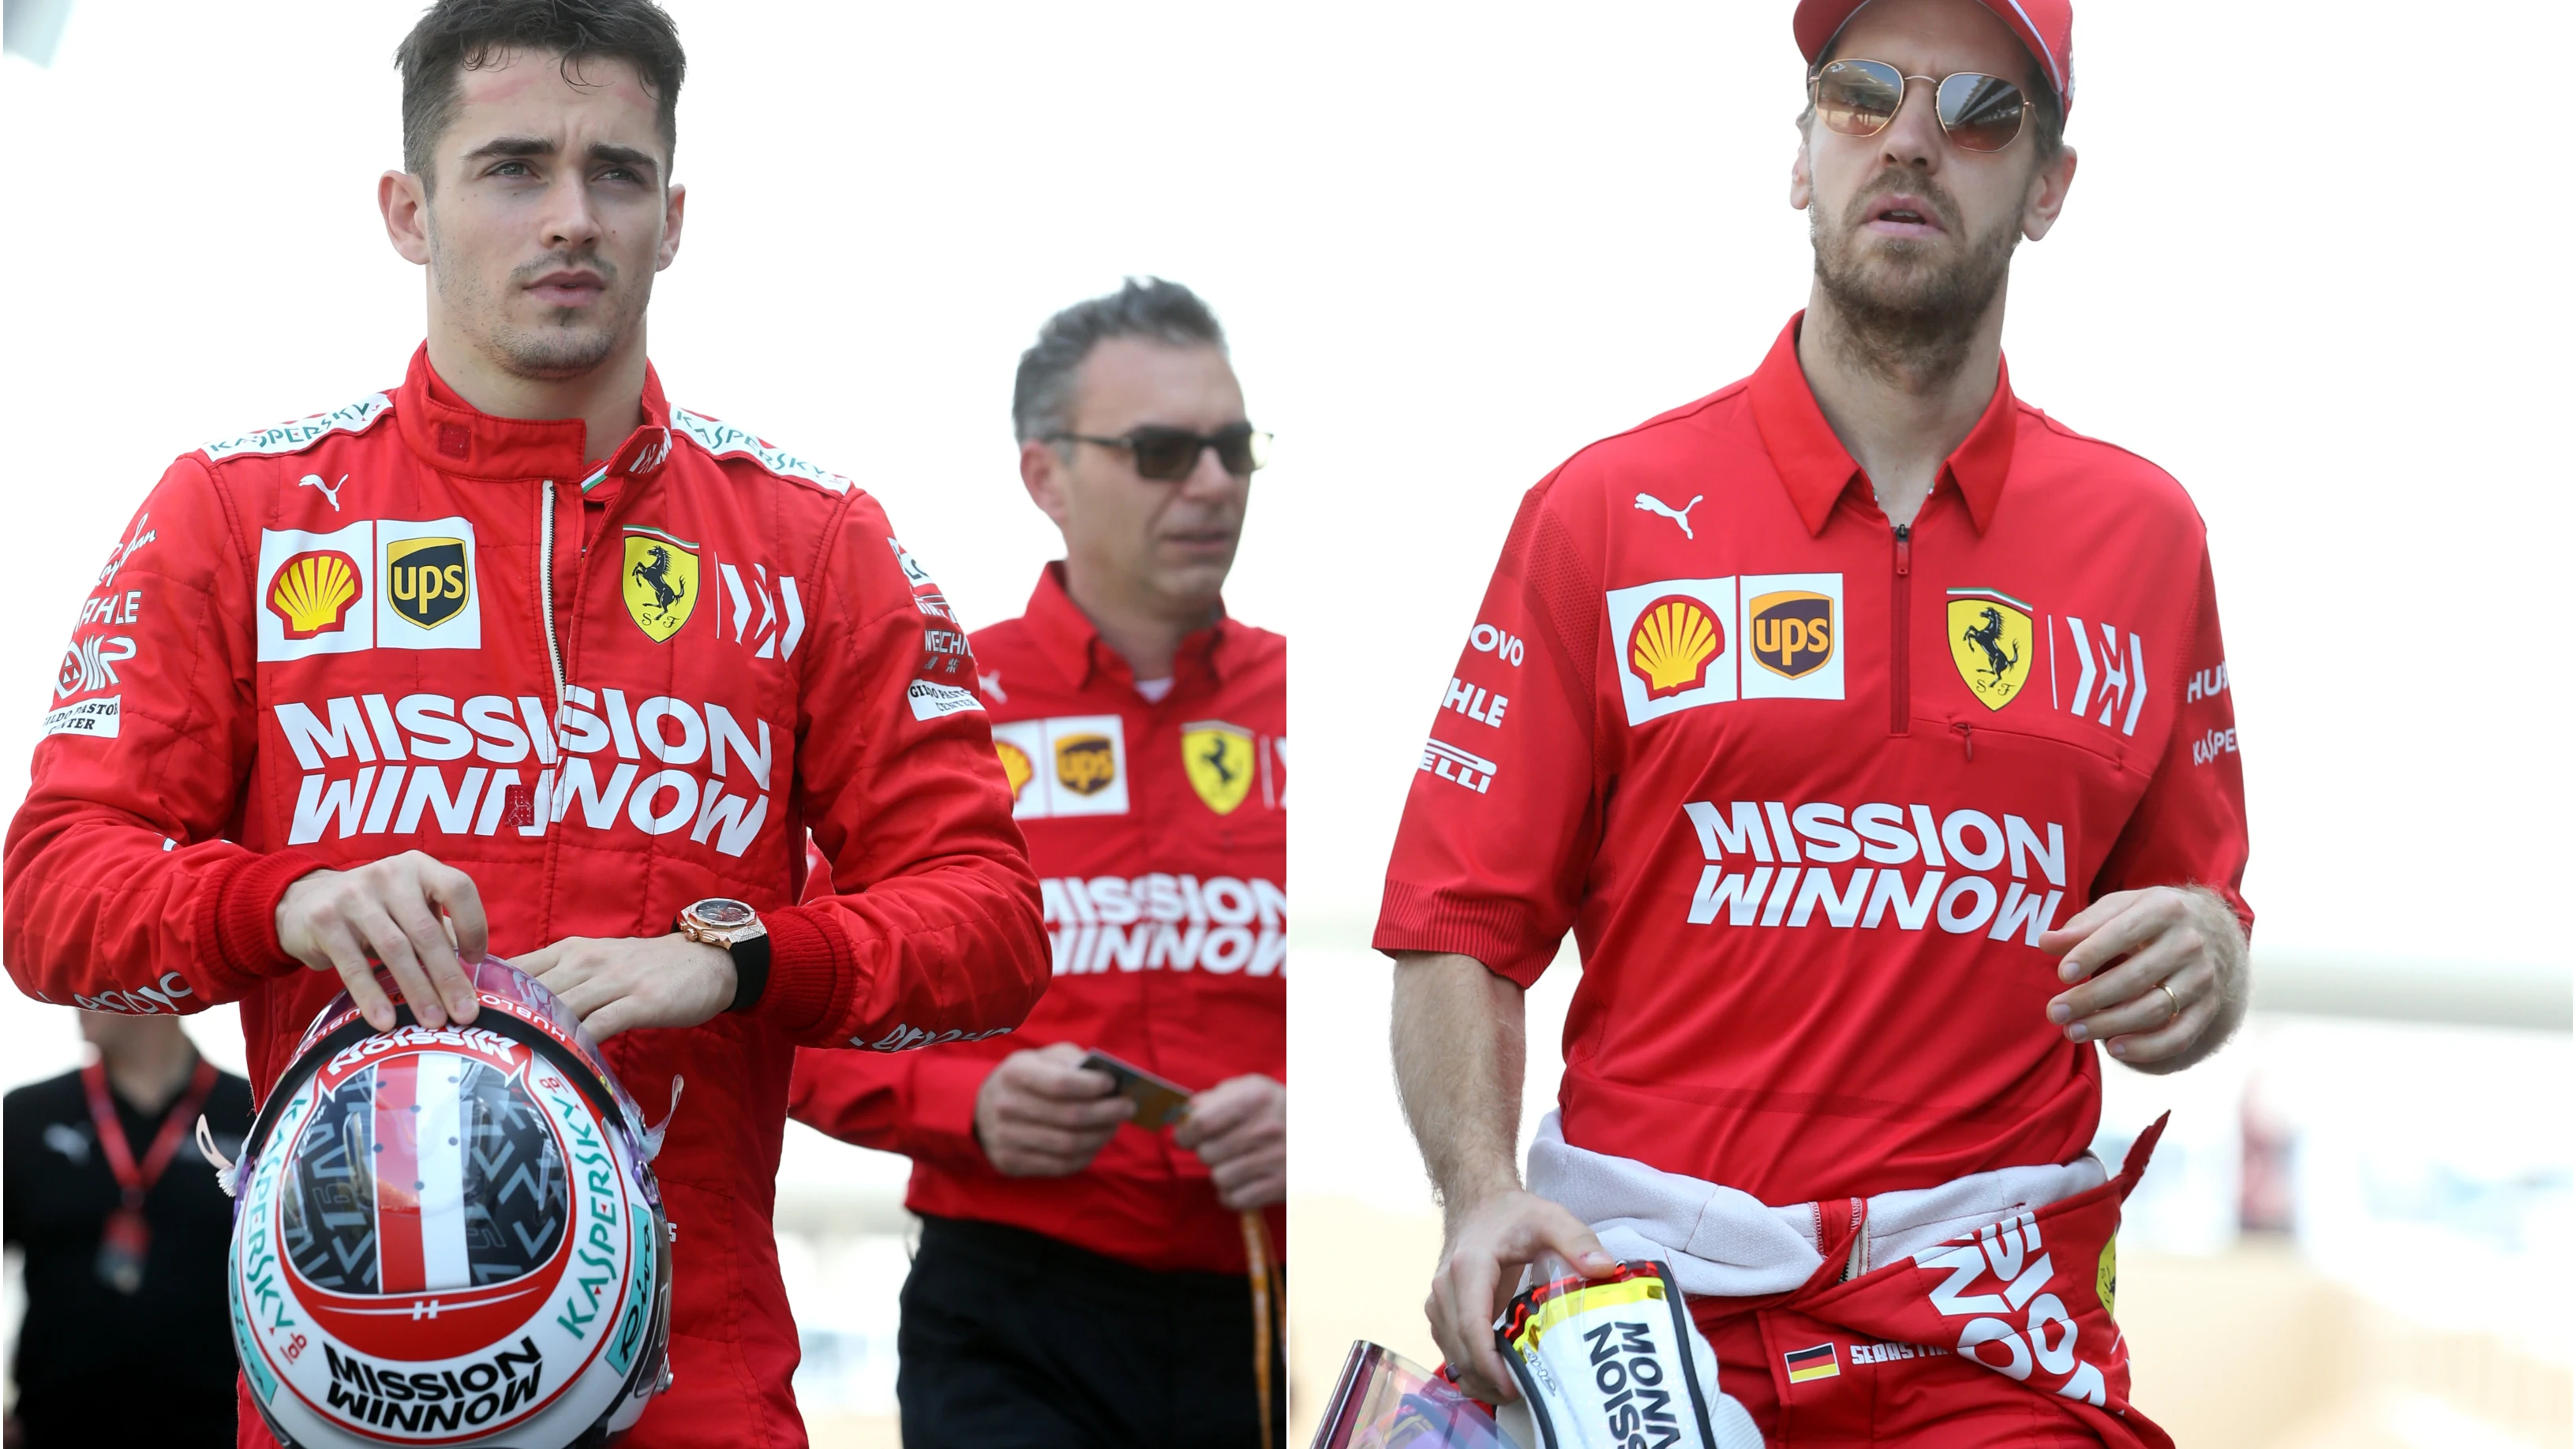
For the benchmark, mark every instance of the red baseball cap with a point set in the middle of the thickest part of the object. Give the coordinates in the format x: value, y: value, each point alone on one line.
x: 2046, y: 29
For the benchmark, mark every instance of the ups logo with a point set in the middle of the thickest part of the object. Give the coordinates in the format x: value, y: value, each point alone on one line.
x: 1792, y: 632
x: 425, y: 579
x: 1085, y: 764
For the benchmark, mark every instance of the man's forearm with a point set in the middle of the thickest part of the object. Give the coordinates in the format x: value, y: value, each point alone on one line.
x: 1459, y: 1055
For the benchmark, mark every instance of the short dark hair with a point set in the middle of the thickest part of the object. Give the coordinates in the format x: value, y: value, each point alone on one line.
x: 1148, y: 307
x: 2047, y: 115
x: 455, y: 36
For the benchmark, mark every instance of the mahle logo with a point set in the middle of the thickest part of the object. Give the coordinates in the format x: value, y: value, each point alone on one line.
x: 1793, y: 632
x: 313, y: 593
x: 426, y: 579
x: 1671, y: 645
x: 1085, y: 764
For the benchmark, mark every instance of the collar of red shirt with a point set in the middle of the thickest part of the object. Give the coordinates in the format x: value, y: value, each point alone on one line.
x: 1067, y: 637
x: 454, y: 437
x: 1816, y: 467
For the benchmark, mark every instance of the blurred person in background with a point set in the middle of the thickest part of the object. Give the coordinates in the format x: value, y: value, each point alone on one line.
x: 124, y: 1228
x: 1870, y: 730
x: 518, y: 655
x: 1083, y: 1278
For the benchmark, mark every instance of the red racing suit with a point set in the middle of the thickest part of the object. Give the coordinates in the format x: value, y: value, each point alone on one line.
x: 601, y: 691
x: 1161, y: 831
x: 1808, y: 788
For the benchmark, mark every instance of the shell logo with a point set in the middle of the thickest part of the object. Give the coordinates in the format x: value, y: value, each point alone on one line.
x: 1015, y: 766
x: 313, y: 593
x: 1671, y: 644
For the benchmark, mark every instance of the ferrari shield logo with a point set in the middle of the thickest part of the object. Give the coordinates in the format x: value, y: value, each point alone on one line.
x: 661, y: 581
x: 1990, y: 642
x: 1218, y: 757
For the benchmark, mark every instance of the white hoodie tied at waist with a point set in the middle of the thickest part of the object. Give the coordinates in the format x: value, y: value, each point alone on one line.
x: 1722, y: 1242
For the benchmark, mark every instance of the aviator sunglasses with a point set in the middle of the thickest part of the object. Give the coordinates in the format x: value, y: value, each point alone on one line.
x: 1859, y: 97
x: 1166, y: 455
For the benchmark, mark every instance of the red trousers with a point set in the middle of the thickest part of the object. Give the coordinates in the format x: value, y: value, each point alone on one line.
x: 1920, y: 1398
x: 1999, y: 1337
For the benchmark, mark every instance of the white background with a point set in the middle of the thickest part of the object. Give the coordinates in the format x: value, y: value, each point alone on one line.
x: 2304, y: 268
x: 2313, y: 265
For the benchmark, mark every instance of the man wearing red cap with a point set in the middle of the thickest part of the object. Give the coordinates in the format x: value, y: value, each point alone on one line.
x: 1870, y: 730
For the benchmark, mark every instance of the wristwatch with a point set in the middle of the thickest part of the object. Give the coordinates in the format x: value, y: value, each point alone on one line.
x: 737, y: 928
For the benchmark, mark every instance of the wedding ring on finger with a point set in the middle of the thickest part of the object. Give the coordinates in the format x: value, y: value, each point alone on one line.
x: 2169, y: 996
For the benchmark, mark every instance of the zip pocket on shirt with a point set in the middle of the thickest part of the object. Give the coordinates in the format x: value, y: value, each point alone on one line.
x: 1900, y: 682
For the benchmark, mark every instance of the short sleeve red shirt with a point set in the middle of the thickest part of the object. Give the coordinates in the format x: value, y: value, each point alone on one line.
x: 1808, y: 788
x: 1159, y: 829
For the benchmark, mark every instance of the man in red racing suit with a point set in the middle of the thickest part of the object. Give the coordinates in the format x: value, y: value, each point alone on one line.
x: 556, y: 676
x: 1870, y: 731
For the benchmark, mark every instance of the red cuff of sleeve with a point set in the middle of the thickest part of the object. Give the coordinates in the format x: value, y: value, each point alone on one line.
x: 807, y: 962
x: 942, y: 1120
x: 1497, y: 933
x: 240, y: 919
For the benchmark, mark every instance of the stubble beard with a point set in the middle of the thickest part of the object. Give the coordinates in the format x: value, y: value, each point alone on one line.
x: 1907, y: 316
x: 565, y: 342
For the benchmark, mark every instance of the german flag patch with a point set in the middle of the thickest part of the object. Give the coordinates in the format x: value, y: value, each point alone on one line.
x: 1819, y: 1362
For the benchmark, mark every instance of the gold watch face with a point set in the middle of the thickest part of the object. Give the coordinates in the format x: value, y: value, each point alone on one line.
x: 722, y: 915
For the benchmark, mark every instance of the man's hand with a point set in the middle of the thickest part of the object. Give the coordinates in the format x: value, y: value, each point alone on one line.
x: 1041, y: 1115
x: 1491, y: 1243
x: 2162, y: 973
x: 1239, y: 1128
x: 619, y: 984
x: 391, y: 911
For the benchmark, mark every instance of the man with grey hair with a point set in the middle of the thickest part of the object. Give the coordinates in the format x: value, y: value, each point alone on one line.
x: 1101, y: 1196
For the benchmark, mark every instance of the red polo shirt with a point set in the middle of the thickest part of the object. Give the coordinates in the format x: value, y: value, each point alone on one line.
x: 1160, y: 831
x: 1808, y: 788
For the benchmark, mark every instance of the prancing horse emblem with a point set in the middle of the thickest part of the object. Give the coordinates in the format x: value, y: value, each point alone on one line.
x: 1990, y: 641
x: 1649, y: 503
x: 661, y: 581
x: 1987, y: 634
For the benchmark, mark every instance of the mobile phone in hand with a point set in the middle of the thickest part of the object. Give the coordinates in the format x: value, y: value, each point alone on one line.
x: 1159, y: 1103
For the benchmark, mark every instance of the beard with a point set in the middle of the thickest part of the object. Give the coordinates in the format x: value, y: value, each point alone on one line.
x: 1907, y: 314
x: 563, y: 341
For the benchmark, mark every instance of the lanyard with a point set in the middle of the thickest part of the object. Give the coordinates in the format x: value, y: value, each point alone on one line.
x: 134, y: 1181
x: 1257, y: 1265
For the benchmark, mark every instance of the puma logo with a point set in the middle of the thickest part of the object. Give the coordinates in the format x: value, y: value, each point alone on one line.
x: 1649, y: 503
x: 332, y: 490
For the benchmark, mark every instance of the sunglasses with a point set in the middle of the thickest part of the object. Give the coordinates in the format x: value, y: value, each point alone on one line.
x: 1166, y: 455
x: 1981, y: 113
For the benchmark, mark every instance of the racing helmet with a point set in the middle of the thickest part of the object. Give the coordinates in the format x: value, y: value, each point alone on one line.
x: 450, y: 1236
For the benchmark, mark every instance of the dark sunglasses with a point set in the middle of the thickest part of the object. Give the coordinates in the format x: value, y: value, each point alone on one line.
x: 1859, y: 97
x: 1167, y: 455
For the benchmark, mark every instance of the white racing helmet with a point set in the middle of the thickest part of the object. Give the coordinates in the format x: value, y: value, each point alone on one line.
x: 450, y: 1237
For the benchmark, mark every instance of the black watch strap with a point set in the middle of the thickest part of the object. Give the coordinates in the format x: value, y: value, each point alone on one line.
x: 750, y: 968
x: 750, y: 971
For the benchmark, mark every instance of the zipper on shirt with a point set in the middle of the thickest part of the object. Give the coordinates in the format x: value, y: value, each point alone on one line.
x: 1900, y: 686
x: 546, y: 591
